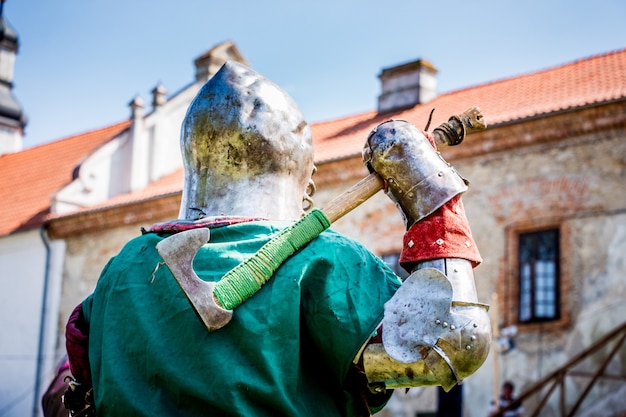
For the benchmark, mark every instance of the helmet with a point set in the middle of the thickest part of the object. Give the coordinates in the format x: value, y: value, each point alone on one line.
x: 247, y: 150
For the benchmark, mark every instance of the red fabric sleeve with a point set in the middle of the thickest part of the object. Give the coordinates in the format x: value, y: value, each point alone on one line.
x: 77, y: 345
x: 443, y: 234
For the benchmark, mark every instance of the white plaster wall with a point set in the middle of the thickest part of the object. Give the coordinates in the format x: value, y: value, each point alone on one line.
x: 94, y: 183
x: 11, y: 140
x: 163, y: 127
x: 23, y: 261
x: 112, y: 169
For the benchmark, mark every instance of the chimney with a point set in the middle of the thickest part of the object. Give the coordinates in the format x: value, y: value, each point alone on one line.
x: 407, y: 85
x: 212, y: 60
x: 159, y: 96
x: 139, y: 146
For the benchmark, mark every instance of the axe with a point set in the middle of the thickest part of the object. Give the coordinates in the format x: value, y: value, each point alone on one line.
x: 214, y: 302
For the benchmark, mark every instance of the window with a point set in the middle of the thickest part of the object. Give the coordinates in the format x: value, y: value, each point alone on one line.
x: 539, y: 276
x: 392, y: 260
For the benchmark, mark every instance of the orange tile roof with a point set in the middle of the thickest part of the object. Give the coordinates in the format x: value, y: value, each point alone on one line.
x: 600, y: 78
x: 30, y: 177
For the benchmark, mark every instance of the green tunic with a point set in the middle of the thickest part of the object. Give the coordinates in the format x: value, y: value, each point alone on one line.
x: 286, y: 351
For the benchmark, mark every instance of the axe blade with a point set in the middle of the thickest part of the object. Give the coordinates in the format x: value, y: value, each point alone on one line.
x: 178, y: 252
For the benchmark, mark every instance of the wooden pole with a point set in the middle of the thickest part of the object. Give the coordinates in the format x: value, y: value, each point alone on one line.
x: 354, y: 197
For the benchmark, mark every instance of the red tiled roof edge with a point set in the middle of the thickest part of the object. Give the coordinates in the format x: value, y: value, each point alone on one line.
x: 31, y: 177
x: 554, y: 89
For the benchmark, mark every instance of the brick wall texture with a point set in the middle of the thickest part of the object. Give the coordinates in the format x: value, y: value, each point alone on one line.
x: 565, y: 170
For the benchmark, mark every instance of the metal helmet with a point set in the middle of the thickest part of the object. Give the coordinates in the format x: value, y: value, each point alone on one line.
x: 247, y: 150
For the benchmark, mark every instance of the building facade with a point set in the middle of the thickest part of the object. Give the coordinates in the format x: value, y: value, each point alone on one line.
x: 546, y: 206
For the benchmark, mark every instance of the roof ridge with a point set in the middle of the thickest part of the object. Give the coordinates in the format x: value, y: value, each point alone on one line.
x: 95, y: 131
x: 345, y: 117
x: 537, y: 72
x: 47, y: 167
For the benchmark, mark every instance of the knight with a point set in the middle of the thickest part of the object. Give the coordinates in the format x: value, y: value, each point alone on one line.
x: 333, y: 331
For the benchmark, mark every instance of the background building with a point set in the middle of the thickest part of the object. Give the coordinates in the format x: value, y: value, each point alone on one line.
x: 546, y: 206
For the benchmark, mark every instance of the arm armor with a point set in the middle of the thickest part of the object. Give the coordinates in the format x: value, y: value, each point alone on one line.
x: 417, y: 178
x: 434, y: 332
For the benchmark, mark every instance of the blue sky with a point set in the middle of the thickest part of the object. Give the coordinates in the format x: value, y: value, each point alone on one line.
x: 82, y: 61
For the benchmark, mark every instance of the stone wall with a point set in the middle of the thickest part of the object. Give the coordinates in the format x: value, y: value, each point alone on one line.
x: 567, y: 170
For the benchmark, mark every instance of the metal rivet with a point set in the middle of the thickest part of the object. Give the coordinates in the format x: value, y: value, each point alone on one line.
x: 440, y: 174
x: 473, y: 338
x: 468, y: 347
x: 445, y: 324
x: 410, y: 244
x: 437, y: 321
x: 467, y: 243
x: 456, y: 270
x: 452, y: 327
x: 439, y: 242
x: 475, y: 325
x: 410, y: 195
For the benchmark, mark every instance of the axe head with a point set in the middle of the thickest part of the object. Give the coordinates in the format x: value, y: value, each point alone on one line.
x: 178, y: 252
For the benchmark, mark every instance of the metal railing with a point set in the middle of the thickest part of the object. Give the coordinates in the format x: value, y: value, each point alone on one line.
x: 545, y: 387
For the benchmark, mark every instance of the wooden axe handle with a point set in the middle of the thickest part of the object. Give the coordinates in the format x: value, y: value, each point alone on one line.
x: 353, y: 197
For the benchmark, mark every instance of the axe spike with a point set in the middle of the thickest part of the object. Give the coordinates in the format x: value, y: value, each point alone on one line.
x: 178, y: 252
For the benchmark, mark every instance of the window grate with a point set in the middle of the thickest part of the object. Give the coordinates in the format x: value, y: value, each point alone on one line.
x: 539, y: 276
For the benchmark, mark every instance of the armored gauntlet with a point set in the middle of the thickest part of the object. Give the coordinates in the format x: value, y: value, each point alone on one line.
x: 416, y: 177
x: 434, y: 330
